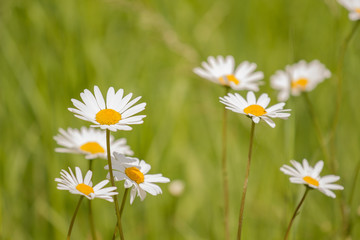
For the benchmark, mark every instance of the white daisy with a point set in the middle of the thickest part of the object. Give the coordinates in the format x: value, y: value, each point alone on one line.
x: 221, y: 71
x: 305, y: 174
x: 353, y: 6
x: 116, y: 114
x: 78, y: 185
x: 298, y: 78
x: 134, y: 172
x: 255, y: 109
x: 90, y: 142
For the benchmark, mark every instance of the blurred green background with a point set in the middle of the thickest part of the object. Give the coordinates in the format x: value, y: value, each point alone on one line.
x: 51, y: 50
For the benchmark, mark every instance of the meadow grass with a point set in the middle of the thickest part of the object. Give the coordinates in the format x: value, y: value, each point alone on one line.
x: 51, y: 50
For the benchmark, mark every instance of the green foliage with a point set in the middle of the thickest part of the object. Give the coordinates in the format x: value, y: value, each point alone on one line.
x: 50, y: 51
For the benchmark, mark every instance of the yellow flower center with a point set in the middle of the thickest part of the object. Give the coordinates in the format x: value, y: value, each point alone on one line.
x: 357, y: 10
x: 134, y: 174
x: 300, y: 83
x: 92, y: 147
x: 311, y: 181
x: 108, y: 117
x: 85, y: 189
x: 255, y: 110
x: 230, y: 78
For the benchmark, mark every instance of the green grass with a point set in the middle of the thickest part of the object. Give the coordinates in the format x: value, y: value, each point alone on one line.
x: 50, y: 51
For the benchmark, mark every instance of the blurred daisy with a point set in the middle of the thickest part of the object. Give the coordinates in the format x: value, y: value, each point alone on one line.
x: 299, y: 77
x: 116, y: 114
x: 134, y: 172
x: 353, y: 6
x: 310, y: 176
x: 221, y: 71
x: 176, y: 187
x: 255, y: 109
x: 78, y: 185
x: 90, y: 142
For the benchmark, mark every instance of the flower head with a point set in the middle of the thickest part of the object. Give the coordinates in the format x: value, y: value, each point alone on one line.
x: 78, y: 185
x: 353, y: 6
x: 116, y: 114
x: 221, y: 70
x: 310, y: 176
x: 299, y: 77
x: 90, y: 142
x: 255, y: 109
x: 134, y: 172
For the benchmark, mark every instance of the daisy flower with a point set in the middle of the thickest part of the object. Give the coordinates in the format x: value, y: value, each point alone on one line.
x: 90, y: 142
x: 222, y: 71
x: 299, y: 77
x: 134, y: 172
x: 116, y: 114
x: 78, y: 185
x: 310, y: 176
x: 353, y: 6
x: 255, y: 109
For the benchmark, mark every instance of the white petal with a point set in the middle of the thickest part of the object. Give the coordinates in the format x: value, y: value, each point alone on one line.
x: 99, y: 97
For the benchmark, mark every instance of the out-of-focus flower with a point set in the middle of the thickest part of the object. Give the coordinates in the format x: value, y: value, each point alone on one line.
x: 299, y: 77
x: 176, y: 187
x: 222, y: 71
x: 90, y: 142
x: 353, y: 6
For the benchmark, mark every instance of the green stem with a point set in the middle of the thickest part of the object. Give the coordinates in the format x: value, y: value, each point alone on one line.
x: 347, y: 207
x: 340, y: 80
x: 123, y: 201
x: 73, y: 217
x: 91, y: 217
x: 339, y: 87
x: 224, y: 172
x: 113, y: 184
x: 357, y: 169
x: 318, y: 132
x: 121, y: 209
x: 296, y: 213
x: 242, y: 205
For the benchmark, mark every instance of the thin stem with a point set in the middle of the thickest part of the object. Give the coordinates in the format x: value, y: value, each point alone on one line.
x: 339, y: 87
x: 113, y: 184
x: 318, y: 132
x: 347, y: 207
x: 91, y: 217
x: 224, y: 172
x: 123, y: 201
x: 296, y: 213
x: 340, y: 80
x: 357, y: 169
x: 242, y: 205
x: 121, y: 209
x: 73, y: 217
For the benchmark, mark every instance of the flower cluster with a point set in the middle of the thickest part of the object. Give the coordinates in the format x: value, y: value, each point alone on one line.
x: 118, y: 112
x: 297, y: 78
